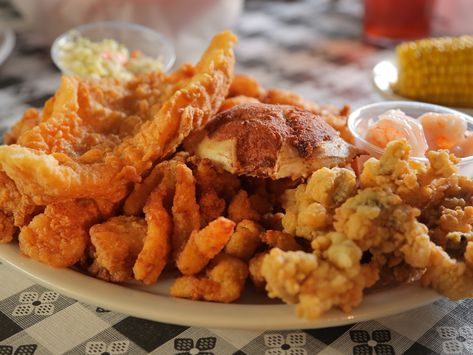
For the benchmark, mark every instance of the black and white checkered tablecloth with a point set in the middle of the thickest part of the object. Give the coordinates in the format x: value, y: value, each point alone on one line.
x: 309, y: 47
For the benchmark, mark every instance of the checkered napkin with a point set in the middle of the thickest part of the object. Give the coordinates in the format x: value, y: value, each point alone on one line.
x: 282, y: 44
x: 35, y: 320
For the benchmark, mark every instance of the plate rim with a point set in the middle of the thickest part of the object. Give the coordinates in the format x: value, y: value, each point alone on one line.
x: 206, y: 314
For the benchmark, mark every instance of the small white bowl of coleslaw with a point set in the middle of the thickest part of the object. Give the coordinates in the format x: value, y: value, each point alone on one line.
x: 362, y: 121
x: 112, y: 49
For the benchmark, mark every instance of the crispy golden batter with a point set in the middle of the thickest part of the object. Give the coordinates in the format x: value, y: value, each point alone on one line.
x: 99, y: 136
x: 30, y: 118
x: 185, y: 210
x: 240, y: 208
x: 7, y: 228
x: 211, y: 206
x: 18, y: 207
x: 378, y: 221
x: 280, y: 240
x: 245, y: 240
x: 408, y: 178
x: 303, y: 216
x: 449, y: 208
x: 254, y: 268
x: 116, y: 244
x: 452, y: 278
x: 209, y: 177
x: 310, y: 207
x: 235, y: 101
x: 245, y: 85
x: 58, y: 237
x: 203, y: 245
x: 136, y: 200
x: 224, y: 281
x: 317, y: 283
x: 157, y: 244
x: 331, y: 187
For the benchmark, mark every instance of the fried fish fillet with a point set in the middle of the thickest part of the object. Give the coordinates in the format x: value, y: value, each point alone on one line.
x: 272, y: 141
x: 95, y: 137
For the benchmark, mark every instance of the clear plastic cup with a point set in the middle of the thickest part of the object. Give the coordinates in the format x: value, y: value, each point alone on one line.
x: 362, y: 118
x: 134, y: 37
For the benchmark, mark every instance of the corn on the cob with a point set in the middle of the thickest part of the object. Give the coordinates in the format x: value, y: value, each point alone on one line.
x: 438, y: 70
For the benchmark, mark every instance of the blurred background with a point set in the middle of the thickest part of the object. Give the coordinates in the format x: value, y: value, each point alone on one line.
x: 322, y: 49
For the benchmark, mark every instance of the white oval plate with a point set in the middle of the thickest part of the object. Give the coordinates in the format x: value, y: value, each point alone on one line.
x: 384, y: 75
x: 253, y: 311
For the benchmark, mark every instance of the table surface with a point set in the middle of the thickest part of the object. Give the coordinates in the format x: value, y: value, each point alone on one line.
x: 311, y: 47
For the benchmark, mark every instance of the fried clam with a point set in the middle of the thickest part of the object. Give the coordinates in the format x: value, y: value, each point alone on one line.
x: 271, y: 141
x: 410, y: 179
x: 452, y: 275
x: 310, y: 207
x: 96, y: 137
x: 317, y: 283
x: 115, y: 245
x: 377, y: 220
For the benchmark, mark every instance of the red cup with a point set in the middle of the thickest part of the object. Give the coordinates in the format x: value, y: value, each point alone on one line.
x: 389, y: 22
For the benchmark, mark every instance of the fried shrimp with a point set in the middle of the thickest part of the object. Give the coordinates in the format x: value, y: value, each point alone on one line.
x: 116, y: 244
x: 224, y: 281
x: 245, y: 240
x: 157, y: 244
x: 203, y: 245
x: 136, y: 200
x: 185, y: 210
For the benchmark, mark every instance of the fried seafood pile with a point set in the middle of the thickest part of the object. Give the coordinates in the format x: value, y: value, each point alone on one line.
x: 210, y: 175
x: 403, y: 221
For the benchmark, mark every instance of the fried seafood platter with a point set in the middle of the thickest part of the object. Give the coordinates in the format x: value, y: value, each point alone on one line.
x: 207, y: 175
